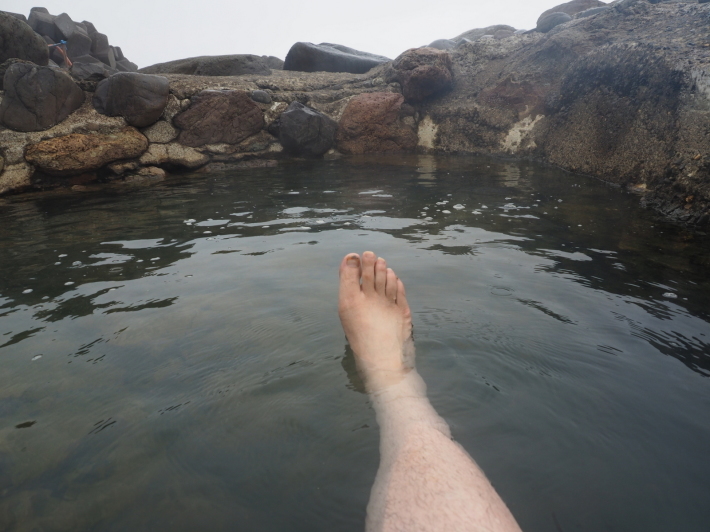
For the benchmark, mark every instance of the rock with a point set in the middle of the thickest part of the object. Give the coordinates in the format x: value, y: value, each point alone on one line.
x: 93, y: 71
x: 421, y: 72
x: 372, y: 122
x: 218, y: 65
x: 326, y: 57
x: 43, y: 23
x: 305, y: 131
x: 17, y: 40
x: 593, y: 11
x: 7, y: 64
x: 219, y: 116
x: 118, y: 53
x: 16, y: 177
x: 443, y: 44
x: 139, y: 98
x: 37, y: 98
x: 124, y: 65
x: 258, y: 96
x: 106, y: 56
x: 78, y: 153
x: 2, y: 163
x: 272, y: 62
x: 548, y: 22
x: 475, y: 34
x: 23, y: 18
x: 99, y: 47
x: 161, y: 132
x: 503, y: 34
x: 149, y: 174
x: 175, y: 155
x: 571, y: 8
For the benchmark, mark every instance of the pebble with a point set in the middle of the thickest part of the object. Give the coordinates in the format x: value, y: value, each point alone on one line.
x: 28, y: 291
x: 62, y: 255
x: 670, y: 295
x: 446, y: 212
x: 69, y: 283
x: 36, y: 357
x: 458, y: 206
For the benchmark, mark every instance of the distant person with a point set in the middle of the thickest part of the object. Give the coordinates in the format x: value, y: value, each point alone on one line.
x: 425, y: 481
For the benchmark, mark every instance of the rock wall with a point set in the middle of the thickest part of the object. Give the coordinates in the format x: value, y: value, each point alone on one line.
x: 620, y: 92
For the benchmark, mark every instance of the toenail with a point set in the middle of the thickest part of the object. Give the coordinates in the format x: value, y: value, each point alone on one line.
x: 353, y: 262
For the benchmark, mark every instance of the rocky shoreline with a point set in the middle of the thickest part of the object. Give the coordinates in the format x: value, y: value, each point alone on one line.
x: 621, y: 93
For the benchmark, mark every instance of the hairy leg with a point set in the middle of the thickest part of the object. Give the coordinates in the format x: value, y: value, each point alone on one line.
x: 425, y: 481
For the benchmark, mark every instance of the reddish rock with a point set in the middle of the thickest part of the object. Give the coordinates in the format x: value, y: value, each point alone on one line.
x: 421, y: 72
x: 219, y: 116
x: 374, y: 122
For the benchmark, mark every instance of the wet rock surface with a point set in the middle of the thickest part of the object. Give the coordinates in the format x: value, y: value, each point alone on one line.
x: 139, y: 98
x: 37, y: 97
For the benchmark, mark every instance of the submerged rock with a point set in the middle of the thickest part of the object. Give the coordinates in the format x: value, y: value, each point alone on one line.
x: 219, y: 116
x: 139, y: 98
x: 373, y: 122
x: 37, y: 97
x: 327, y: 57
x: 17, y: 40
x: 421, y: 72
x: 305, y: 131
x: 217, y: 65
x: 78, y: 153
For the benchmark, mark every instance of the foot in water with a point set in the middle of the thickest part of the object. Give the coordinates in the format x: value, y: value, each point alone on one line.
x: 376, y: 318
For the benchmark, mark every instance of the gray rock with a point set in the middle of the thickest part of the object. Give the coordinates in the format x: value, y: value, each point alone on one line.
x: 571, y: 8
x: 65, y: 26
x: 118, y: 53
x: 93, y: 71
x: 43, y: 23
x: 37, y: 97
x: 475, y: 34
x: 272, y: 62
x: 99, y: 45
x: 39, y: 10
x: 327, y: 57
x: 17, y: 40
x: 443, y: 44
x: 593, y: 11
x: 548, y: 22
x: 305, y: 131
x: 90, y: 28
x: 78, y: 44
x: 124, y: 65
x: 217, y: 65
x: 161, y: 132
x: 7, y: 64
x: 261, y: 96
x: 139, y: 98
x: 23, y: 18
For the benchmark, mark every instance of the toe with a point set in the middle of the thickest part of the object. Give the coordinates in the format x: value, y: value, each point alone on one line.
x: 350, y: 276
x: 368, y: 272
x: 402, y: 296
x: 380, y: 276
x: 391, y: 287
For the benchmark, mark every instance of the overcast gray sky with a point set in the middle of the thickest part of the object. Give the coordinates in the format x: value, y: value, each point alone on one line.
x: 154, y: 31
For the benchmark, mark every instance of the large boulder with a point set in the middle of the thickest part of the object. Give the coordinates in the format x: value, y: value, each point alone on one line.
x: 551, y: 20
x: 305, y: 131
x: 139, y: 98
x: 43, y: 23
x: 76, y: 36
x: 475, y: 34
x: 376, y: 122
x: 78, y: 153
x: 219, y: 116
x: 571, y: 8
x: 442, y: 44
x: 327, y: 57
x: 421, y: 72
x: 37, y: 97
x: 17, y: 40
x: 217, y: 65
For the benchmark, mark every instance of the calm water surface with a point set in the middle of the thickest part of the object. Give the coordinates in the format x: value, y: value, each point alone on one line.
x: 171, y: 356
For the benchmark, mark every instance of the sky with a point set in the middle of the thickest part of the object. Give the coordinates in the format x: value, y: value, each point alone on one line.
x: 155, y: 31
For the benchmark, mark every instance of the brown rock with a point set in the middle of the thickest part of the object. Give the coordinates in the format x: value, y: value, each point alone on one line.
x: 173, y: 154
x: 219, y: 116
x: 78, y: 153
x: 372, y: 123
x: 421, y: 72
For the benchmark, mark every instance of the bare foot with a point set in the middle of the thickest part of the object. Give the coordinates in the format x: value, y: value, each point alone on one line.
x: 376, y: 318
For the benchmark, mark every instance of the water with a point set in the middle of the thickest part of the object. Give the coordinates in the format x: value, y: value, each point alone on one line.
x: 178, y: 363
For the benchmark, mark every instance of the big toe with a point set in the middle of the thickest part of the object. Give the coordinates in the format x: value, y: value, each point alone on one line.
x: 350, y: 273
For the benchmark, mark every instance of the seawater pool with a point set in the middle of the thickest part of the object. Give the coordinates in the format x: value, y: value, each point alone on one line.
x: 171, y: 356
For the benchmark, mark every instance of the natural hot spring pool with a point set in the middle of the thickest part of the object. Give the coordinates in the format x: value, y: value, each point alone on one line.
x: 179, y: 365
